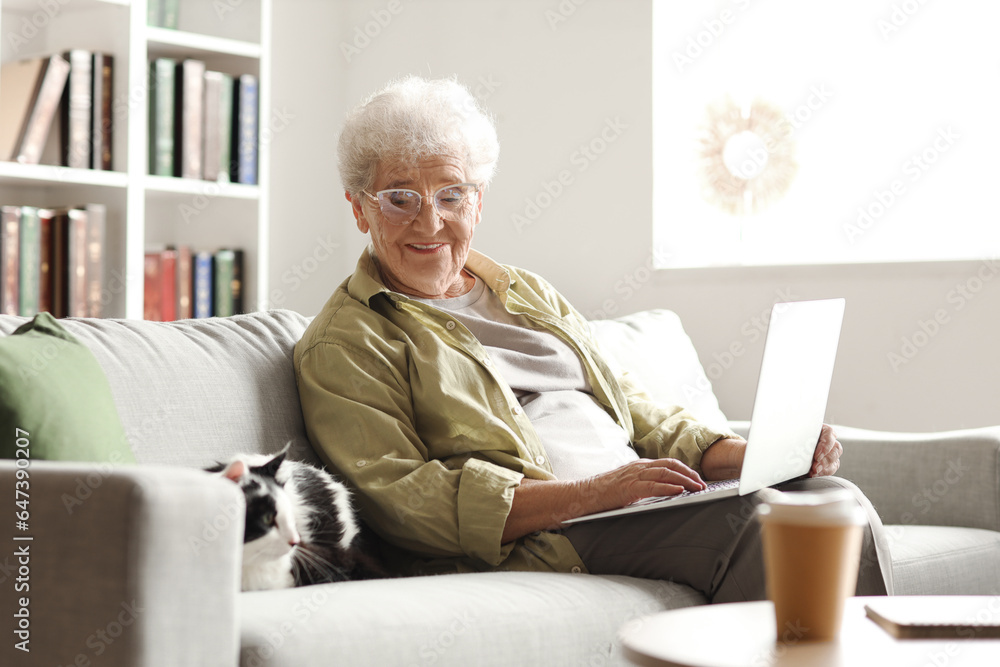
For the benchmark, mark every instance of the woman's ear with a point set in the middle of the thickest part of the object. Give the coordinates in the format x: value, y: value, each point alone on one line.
x: 359, y: 215
x: 479, y: 207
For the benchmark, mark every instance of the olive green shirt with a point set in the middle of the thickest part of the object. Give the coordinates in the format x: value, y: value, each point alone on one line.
x: 403, y: 402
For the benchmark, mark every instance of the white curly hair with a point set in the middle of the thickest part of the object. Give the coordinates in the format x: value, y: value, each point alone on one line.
x: 413, y: 118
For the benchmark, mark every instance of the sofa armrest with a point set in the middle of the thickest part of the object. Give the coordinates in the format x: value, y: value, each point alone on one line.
x: 126, y: 565
x: 949, y: 478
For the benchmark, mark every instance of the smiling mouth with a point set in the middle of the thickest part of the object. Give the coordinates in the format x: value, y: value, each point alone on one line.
x: 425, y: 247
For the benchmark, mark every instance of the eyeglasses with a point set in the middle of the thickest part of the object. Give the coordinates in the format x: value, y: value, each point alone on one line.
x: 453, y: 202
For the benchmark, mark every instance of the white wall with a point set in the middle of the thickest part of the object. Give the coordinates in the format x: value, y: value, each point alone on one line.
x: 558, y: 86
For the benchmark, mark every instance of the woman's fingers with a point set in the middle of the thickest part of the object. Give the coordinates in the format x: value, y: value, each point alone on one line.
x: 826, y: 460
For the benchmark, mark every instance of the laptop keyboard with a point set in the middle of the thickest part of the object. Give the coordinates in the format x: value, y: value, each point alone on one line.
x: 711, y: 486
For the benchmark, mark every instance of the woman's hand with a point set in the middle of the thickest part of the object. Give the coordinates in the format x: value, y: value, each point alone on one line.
x: 545, y: 504
x: 826, y: 459
x: 645, y: 478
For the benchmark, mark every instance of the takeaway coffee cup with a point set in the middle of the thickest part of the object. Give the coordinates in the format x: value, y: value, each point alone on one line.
x: 812, y: 548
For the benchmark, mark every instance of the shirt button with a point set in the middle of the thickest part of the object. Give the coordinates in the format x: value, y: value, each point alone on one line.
x: 449, y: 325
x: 539, y: 460
x: 576, y: 569
x: 516, y: 410
x: 487, y: 361
x: 361, y: 464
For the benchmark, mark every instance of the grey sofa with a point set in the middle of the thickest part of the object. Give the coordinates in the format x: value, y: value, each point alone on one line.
x: 145, y: 569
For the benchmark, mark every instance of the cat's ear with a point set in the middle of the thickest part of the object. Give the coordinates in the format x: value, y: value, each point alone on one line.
x: 271, y: 467
x: 235, y: 471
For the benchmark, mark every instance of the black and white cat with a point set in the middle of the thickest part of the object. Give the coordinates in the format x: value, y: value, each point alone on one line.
x: 300, y: 527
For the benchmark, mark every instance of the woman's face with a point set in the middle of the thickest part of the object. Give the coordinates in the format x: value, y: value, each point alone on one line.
x: 425, y: 257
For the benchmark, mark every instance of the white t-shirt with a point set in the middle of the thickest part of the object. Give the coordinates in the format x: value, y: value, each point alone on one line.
x: 579, y: 436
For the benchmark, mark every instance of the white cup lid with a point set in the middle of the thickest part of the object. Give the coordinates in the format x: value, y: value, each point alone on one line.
x: 836, y: 507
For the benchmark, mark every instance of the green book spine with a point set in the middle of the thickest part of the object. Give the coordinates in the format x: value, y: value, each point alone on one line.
x: 161, y: 117
x: 225, y: 266
x: 154, y: 13
x: 225, y: 126
x: 30, y: 261
x: 171, y: 13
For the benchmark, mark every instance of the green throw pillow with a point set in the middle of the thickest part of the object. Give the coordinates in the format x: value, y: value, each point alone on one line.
x: 54, y: 398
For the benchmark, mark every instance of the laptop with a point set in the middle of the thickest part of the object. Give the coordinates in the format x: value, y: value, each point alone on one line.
x: 792, y: 390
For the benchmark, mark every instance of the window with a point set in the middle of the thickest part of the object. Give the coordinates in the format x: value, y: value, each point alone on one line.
x: 812, y: 133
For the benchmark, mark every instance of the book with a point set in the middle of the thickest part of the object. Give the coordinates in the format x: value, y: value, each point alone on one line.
x: 168, y: 296
x: 94, y: 253
x: 160, y: 286
x: 45, y: 277
x: 185, y: 278
x: 236, y: 284
x: 101, y: 114
x: 203, y: 286
x: 152, y: 291
x: 30, y: 261
x: 75, y: 110
x: 162, y: 13
x: 161, y: 116
x: 223, y: 267
x: 188, y: 118
x: 225, y: 128
x: 32, y: 91
x: 244, y: 139
x: 212, y: 128
x: 10, y: 221
x: 937, y: 616
x: 69, y: 262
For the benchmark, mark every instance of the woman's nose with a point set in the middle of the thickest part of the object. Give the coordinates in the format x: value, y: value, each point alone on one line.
x: 428, y: 219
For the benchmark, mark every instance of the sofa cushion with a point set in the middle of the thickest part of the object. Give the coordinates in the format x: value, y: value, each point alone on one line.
x: 496, y: 618
x: 654, y: 349
x: 944, y: 560
x: 55, y: 395
x: 196, y: 391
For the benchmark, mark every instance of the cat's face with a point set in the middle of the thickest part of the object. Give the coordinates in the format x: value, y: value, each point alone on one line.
x: 270, y: 530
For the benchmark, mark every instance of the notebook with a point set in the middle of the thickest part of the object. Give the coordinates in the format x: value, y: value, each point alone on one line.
x: 937, y: 616
x: 800, y: 351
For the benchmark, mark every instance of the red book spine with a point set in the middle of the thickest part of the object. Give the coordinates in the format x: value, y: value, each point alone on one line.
x: 153, y: 290
x: 168, y: 285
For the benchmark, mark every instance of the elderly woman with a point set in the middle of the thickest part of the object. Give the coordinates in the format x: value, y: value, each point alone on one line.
x: 467, y: 405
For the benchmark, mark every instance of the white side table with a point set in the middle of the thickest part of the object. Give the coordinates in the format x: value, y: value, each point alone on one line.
x: 743, y: 635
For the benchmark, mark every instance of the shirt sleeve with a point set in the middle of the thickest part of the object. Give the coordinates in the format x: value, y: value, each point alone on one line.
x: 359, y: 415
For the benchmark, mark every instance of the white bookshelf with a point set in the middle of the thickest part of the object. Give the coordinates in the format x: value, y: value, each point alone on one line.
x: 144, y: 210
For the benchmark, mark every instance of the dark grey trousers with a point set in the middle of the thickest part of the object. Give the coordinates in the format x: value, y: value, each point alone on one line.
x: 714, y: 547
